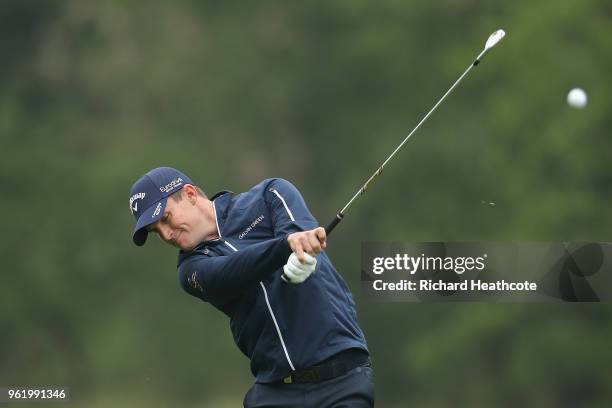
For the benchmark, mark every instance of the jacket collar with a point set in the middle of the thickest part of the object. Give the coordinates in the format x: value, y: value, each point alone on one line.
x: 221, y: 203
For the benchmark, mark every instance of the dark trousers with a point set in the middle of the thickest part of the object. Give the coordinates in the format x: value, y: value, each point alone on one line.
x: 354, y: 389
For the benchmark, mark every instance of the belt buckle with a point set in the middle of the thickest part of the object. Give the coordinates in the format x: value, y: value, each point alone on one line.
x: 288, y: 380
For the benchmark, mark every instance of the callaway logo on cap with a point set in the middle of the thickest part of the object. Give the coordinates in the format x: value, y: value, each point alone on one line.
x: 149, y: 195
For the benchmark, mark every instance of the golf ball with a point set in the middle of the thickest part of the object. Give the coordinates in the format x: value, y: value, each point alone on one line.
x: 577, y: 98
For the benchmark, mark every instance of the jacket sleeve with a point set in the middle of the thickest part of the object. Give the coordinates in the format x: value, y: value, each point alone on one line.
x: 288, y: 208
x: 220, y: 279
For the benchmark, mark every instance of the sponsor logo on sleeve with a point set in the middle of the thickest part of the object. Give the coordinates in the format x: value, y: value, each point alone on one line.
x: 193, y: 282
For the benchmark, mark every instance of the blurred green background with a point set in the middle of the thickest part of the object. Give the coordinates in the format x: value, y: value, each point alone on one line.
x: 94, y: 94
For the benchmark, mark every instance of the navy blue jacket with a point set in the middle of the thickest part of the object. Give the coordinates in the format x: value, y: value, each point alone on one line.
x: 280, y: 326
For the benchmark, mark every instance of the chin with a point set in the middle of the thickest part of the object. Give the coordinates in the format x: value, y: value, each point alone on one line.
x: 186, y: 246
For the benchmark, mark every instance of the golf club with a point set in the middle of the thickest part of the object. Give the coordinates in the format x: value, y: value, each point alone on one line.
x: 491, y: 42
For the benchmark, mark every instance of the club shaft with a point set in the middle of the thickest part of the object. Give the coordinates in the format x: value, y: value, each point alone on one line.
x: 362, y: 190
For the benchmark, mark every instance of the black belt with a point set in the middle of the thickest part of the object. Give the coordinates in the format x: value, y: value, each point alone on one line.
x: 333, y: 367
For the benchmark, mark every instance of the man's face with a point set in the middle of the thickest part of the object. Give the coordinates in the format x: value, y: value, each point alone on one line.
x: 181, y: 224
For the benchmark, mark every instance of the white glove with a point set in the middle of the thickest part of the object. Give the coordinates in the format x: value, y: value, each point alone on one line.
x: 297, y: 272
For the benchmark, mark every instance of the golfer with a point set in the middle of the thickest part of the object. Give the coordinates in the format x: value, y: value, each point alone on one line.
x: 259, y: 258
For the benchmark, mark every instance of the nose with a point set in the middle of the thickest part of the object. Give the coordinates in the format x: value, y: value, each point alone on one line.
x: 165, y: 232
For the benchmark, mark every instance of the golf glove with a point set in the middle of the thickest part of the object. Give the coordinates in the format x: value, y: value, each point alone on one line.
x: 295, y: 271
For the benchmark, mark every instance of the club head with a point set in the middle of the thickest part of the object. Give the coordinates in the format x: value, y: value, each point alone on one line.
x: 491, y: 42
x: 494, y: 39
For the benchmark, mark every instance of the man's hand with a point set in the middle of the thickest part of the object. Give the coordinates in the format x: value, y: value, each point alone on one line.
x: 296, y: 271
x: 310, y: 242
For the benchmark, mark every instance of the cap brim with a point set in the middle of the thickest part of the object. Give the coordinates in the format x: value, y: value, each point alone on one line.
x: 148, y: 217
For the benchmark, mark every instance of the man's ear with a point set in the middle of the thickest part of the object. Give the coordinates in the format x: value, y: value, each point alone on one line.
x: 190, y: 193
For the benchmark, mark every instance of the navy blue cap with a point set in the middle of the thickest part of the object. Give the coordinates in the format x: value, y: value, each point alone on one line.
x: 149, y: 196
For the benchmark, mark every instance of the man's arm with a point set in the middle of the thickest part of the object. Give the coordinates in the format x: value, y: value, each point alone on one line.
x: 222, y: 278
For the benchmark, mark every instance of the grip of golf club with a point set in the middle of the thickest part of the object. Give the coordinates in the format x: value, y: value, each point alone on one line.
x: 328, y: 231
x: 334, y: 222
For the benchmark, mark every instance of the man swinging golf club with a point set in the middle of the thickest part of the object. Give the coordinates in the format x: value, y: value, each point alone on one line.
x: 259, y: 258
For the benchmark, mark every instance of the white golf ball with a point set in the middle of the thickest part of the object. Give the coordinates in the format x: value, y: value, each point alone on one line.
x: 577, y: 98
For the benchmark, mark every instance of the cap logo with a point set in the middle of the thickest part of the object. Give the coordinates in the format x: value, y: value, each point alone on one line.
x: 157, y: 210
x: 171, y: 185
x: 133, y: 198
